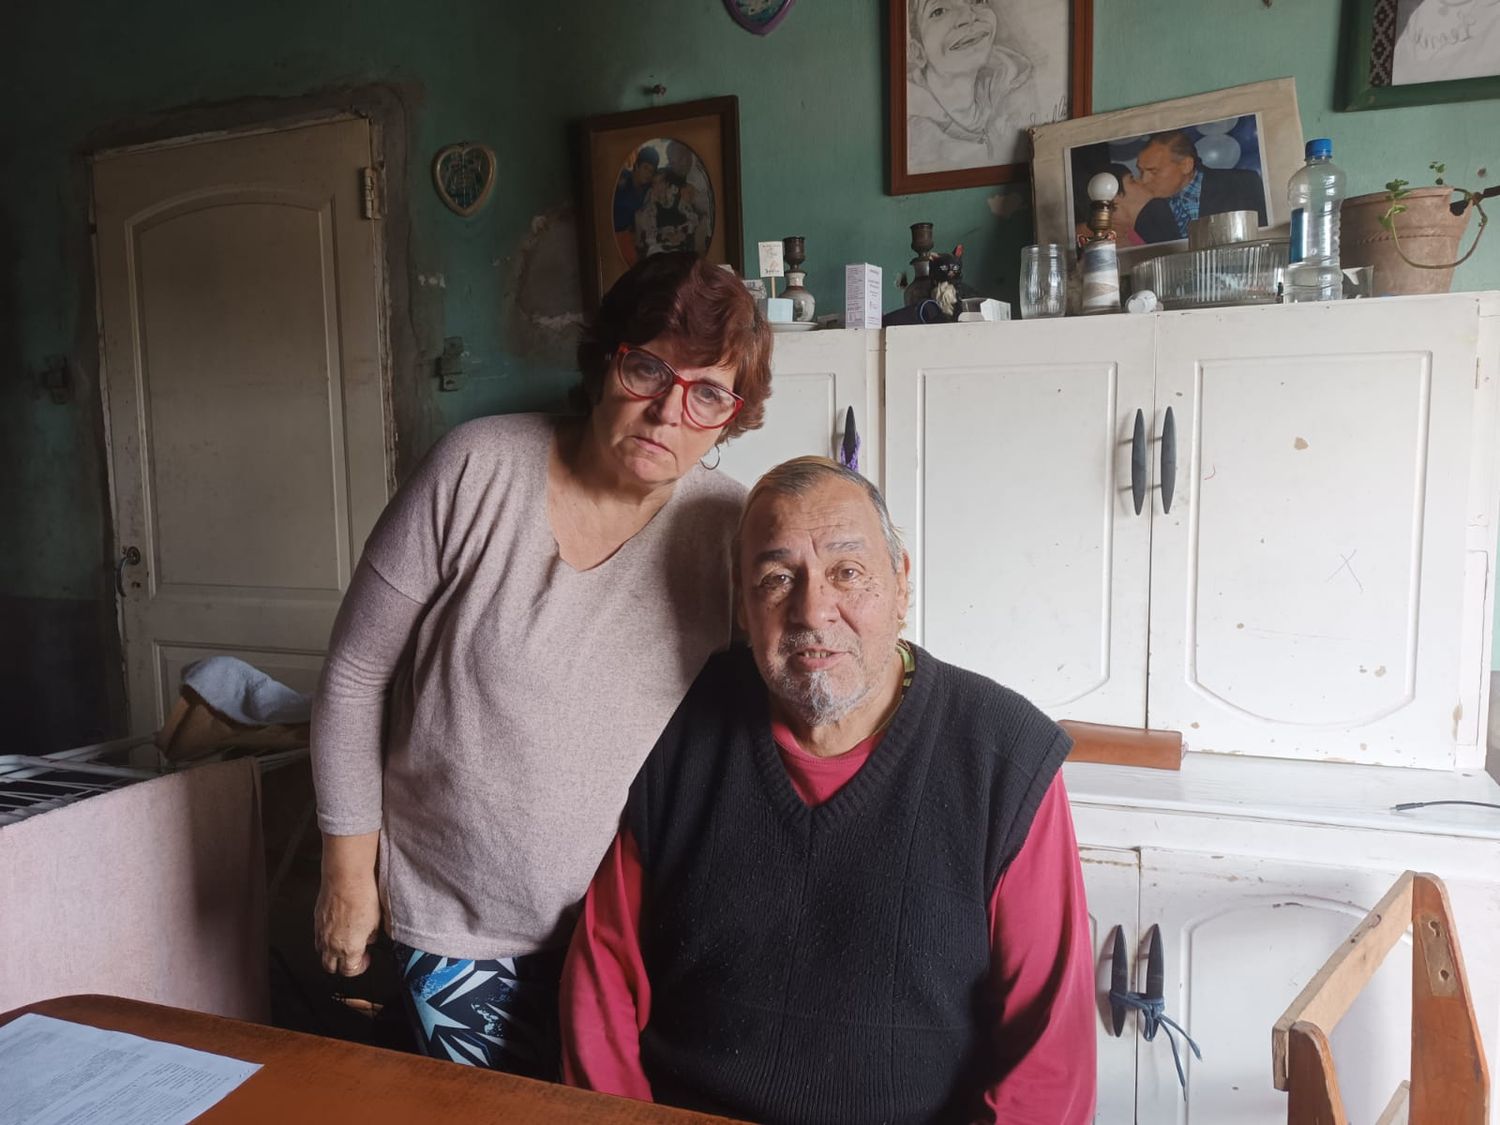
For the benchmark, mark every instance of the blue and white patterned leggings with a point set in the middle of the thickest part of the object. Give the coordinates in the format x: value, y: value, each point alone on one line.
x: 498, y: 1014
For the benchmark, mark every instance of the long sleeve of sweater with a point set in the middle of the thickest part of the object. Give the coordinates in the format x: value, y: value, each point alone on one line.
x: 373, y: 628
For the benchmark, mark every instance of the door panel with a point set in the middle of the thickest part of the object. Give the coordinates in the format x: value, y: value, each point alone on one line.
x: 1009, y: 470
x: 1112, y: 881
x: 815, y: 378
x: 239, y: 291
x: 1307, y: 586
x: 1241, y: 937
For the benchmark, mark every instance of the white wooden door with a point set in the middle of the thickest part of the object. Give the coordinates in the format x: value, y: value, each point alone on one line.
x: 1241, y: 937
x: 239, y: 289
x: 1008, y: 468
x: 1112, y: 880
x: 1308, y: 585
x: 816, y: 377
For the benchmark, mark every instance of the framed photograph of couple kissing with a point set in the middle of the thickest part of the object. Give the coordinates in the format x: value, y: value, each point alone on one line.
x: 659, y: 179
x: 1175, y: 161
x: 968, y: 80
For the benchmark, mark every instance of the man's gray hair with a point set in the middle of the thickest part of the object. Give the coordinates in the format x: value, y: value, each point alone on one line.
x: 800, y: 476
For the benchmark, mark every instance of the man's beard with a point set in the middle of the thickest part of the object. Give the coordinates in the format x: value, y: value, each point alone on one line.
x: 815, y: 697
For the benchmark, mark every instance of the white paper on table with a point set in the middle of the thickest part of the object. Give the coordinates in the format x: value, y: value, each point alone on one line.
x: 54, y: 1072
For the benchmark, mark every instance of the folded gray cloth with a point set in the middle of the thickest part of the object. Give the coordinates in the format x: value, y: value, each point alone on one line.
x: 244, y: 694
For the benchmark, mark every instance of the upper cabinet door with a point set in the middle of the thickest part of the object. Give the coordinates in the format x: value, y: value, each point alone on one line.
x: 1008, y: 471
x: 815, y: 378
x: 1309, y: 582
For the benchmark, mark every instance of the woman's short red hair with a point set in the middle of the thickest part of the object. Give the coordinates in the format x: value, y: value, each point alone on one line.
x: 708, y: 313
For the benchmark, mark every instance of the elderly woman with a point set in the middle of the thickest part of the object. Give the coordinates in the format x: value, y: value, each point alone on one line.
x: 528, y: 612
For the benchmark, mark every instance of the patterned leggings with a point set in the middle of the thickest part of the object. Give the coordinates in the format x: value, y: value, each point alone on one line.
x: 498, y: 1014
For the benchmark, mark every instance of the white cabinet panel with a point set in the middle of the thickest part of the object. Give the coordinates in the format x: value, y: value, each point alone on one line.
x: 1008, y: 471
x: 815, y: 378
x: 1241, y: 937
x: 1112, y: 882
x: 1308, y: 584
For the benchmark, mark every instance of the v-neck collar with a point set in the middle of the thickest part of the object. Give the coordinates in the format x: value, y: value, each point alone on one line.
x: 549, y: 533
x: 895, y: 744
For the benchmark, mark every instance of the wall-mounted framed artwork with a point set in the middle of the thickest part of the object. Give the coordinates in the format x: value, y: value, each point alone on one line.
x: 652, y: 180
x: 1420, y: 52
x: 1228, y: 150
x: 969, y: 78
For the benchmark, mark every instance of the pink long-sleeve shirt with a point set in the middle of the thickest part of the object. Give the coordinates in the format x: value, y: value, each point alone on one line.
x: 1041, y: 963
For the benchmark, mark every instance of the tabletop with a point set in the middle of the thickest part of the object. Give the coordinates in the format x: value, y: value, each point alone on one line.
x: 309, y: 1078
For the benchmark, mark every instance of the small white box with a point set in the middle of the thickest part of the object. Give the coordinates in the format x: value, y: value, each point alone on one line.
x: 776, y: 310
x: 862, y: 296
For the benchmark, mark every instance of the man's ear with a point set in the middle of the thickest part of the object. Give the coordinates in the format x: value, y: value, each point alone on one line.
x: 903, y: 585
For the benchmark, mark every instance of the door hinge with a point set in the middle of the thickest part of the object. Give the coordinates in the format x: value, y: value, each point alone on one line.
x: 369, y: 193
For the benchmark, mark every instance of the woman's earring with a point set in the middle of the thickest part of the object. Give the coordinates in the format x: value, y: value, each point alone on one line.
x: 718, y: 456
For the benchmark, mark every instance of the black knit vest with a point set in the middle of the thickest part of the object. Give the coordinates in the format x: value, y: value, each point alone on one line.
x: 831, y: 965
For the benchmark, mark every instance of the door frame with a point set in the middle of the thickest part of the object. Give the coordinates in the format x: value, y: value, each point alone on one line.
x: 410, y: 423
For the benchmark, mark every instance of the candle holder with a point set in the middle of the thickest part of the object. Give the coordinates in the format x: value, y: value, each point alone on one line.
x: 794, y: 252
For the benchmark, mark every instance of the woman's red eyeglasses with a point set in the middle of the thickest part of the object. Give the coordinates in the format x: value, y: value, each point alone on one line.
x: 645, y: 375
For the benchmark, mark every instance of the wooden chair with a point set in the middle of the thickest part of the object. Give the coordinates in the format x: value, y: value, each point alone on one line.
x: 1449, y: 1082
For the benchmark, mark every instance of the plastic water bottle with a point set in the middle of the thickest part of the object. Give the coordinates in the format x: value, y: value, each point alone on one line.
x: 1315, y: 194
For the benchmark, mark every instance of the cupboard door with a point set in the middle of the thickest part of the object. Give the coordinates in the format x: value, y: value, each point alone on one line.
x: 1008, y: 471
x: 815, y: 378
x: 1241, y: 937
x: 1112, y: 881
x: 1308, y: 584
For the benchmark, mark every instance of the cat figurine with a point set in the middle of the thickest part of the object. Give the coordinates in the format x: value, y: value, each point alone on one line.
x: 944, y: 283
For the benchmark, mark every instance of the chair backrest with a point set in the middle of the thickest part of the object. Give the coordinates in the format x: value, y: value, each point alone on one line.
x: 1449, y: 1082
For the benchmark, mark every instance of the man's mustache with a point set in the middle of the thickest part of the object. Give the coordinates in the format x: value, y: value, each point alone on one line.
x: 813, y: 638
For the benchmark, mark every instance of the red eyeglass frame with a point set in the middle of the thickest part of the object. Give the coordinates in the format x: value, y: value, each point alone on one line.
x: 677, y: 381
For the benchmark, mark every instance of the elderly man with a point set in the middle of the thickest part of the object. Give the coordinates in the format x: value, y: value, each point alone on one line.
x: 846, y: 887
x: 1172, y: 188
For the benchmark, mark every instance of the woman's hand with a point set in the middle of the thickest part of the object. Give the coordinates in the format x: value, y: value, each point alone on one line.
x: 347, y: 916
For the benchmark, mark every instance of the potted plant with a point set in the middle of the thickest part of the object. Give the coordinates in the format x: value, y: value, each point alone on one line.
x: 1411, y: 236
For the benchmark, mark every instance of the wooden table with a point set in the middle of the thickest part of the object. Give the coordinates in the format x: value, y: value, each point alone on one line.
x: 312, y: 1079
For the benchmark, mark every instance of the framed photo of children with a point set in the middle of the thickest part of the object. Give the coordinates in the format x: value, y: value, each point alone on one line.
x: 655, y: 180
x: 968, y: 80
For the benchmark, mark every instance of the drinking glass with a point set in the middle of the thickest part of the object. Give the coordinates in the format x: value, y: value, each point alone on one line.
x: 1044, y: 281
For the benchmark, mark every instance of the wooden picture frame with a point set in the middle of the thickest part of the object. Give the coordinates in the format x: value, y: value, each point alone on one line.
x: 1058, y: 33
x: 1262, y: 118
x: 689, y: 199
x: 1374, y: 54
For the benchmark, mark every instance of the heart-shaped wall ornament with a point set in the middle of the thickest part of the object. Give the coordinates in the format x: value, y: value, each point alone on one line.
x: 759, y: 16
x: 464, y: 175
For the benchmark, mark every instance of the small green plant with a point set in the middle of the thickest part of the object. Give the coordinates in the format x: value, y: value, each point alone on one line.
x: 1398, y: 190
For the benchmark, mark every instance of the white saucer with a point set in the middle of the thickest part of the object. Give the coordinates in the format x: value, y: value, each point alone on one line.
x: 794, y: 326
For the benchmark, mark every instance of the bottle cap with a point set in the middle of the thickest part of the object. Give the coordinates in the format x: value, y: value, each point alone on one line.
x: 1320, y: 147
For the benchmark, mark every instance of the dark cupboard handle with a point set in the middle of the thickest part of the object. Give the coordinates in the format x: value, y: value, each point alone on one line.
x: 1138, y: 462
x: 1156, y: 962
x: 1168, y: 461
x: 130, y: 556
x: 1119, y: 983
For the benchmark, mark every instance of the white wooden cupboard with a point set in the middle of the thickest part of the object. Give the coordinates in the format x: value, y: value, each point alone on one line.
x: 1295, y: 571
x: 817, y: 378
x: 1309, y: 576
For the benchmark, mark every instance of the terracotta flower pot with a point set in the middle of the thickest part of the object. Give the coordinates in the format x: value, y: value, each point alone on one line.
x: 1429, y: 232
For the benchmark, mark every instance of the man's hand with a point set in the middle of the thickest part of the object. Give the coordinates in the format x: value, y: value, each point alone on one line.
x: 347, y: 916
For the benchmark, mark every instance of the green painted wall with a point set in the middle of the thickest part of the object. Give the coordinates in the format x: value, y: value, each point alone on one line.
x: 514, y: 75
